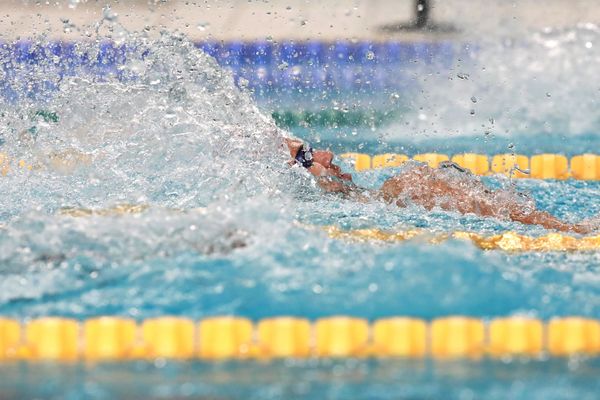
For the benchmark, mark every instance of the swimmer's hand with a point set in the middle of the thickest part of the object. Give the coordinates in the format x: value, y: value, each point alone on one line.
x: 591, y: 225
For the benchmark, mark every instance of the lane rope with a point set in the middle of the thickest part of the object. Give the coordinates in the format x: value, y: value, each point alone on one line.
x: 506, y: 241
x: 539, y: 166
x: 228, y: 337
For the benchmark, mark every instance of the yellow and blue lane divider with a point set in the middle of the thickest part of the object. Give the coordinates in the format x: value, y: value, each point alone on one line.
x: 229, y: 337
x: 539, y: 166
x: 506, y: 241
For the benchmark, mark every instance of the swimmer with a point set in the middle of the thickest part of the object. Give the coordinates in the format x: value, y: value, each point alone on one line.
x: 448, y: 187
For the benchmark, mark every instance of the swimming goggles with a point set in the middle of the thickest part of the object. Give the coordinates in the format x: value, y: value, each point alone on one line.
x: 304, y: 156
x: 451, y: 164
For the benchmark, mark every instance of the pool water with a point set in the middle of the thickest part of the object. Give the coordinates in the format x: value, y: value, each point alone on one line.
x: 128, y: 265
x: 230, y: 228
x: 373, y: 379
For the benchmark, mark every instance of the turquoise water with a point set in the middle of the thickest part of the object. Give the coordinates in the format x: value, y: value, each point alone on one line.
x: 550, y: 379
x: 129, y: 268
x: 231, y: 229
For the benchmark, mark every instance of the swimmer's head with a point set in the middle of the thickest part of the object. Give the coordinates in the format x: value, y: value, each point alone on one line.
x: 317, y: 162
x: 323, y: 157
x: 293, y: 146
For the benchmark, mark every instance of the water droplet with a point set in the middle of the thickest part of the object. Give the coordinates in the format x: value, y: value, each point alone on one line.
x: 317, y: 289
x: 370, y: 55
x: 473, y: 99
x: 545, y: 299
x: 108, y: 14
x: 472, y: 112
x: 67, y: 25
x: 243, y: 82
x: 202, y: 26
x: 548, y: 94
x: 177, y: 93
x: 462, y: 76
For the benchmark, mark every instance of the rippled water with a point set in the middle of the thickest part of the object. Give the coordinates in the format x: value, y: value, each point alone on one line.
x: 229, y: 227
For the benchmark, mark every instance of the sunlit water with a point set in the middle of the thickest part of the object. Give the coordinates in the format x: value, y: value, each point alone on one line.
x: 230, y: 228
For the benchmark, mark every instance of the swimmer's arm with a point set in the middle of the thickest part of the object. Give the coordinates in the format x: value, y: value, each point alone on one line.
x: 548, y: 221
x: 391, y: 189
x: 348, y: 189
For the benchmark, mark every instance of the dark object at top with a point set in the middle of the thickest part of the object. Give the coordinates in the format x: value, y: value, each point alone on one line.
x: 422, y: 13
x: 420, y: 22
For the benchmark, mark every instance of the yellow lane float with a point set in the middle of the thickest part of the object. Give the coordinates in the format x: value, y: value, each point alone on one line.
x: 361, y: 162
x: 586, y: 167
x: 478, y: 164
x: 511, y: 165
x: 119, y: 209
x: 431, y: 159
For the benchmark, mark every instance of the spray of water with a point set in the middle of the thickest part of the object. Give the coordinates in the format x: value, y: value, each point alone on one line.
x: 168, y: 129
x: 541, y: 82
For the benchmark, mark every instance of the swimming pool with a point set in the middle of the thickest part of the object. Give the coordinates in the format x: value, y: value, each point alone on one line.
x: 227, y: 228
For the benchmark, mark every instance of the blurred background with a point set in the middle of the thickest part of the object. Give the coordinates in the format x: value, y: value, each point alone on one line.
x: 295, y: 19
x: 382, y: 75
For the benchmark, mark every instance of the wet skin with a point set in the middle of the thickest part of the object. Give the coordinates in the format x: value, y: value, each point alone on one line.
x: 429, y: 188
